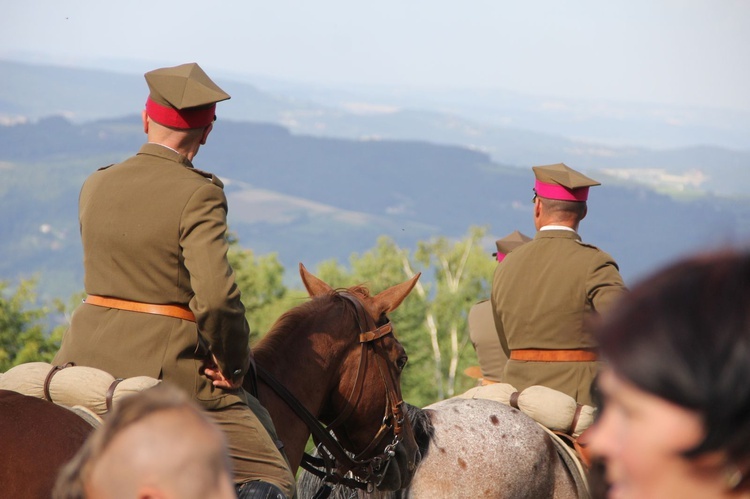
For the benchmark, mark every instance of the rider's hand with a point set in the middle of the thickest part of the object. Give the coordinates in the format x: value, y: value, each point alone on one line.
x: 211, y: 371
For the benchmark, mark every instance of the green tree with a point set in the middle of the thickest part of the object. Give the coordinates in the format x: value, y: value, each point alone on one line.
x: 25, y: 334
x: 461, y: 271
x: 261, y: 282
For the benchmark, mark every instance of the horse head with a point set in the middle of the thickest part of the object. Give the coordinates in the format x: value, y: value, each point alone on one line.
x: 366, y: 411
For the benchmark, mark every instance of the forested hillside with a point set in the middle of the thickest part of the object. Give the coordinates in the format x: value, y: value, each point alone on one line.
x: 310, y: 199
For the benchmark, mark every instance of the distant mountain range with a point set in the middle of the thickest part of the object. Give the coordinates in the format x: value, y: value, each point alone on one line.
x: 313, y: 197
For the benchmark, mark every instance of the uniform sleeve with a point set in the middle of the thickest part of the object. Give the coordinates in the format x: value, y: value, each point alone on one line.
x: 605, y: 285
x: 497, y: 316
x: 219, y: 312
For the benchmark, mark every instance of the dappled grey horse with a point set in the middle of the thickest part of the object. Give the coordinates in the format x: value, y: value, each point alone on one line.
x: 475, y: 448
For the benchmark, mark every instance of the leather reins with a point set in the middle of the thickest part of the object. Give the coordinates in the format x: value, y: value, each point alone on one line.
x: 335, y: 460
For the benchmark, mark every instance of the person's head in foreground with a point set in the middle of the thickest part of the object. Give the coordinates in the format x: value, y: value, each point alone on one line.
x: 676, y: 415
x: 155, y: 445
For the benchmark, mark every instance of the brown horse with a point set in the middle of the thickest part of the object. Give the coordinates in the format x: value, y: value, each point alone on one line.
x: 341, y: 361
x: 335, y: 354
x: 36, y: 439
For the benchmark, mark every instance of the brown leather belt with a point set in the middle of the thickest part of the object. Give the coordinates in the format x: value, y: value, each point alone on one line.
x: 177, y: 311
x: 536, y: 355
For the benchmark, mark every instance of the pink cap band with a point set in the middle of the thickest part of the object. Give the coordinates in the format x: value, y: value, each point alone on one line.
x: 180, y: 118
x: 500, y: 257
x: 555, y: 191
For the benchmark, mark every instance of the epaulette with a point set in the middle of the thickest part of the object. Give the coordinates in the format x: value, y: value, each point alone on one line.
x: 587, y: 245
x: 210, y: 176
x: 105, y: 167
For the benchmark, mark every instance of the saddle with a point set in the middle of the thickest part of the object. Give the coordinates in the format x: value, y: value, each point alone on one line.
x: 575, y: 462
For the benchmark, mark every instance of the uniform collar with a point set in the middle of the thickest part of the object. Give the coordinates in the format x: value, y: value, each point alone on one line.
x: 557, y: 227
x: 557, y: 232
x: 165, y: 152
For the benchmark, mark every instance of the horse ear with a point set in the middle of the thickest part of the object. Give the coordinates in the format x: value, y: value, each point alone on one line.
x: 313, y: 285
x: 391, y: 298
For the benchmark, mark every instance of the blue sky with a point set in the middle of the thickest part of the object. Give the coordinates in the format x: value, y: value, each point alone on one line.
x: 685, y: 52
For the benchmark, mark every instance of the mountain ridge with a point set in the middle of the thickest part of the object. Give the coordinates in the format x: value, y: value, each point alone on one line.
x: 512, y: 129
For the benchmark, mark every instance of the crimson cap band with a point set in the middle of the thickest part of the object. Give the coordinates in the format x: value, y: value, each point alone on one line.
x: 180, y: 118
x: 182, y: 96
x: 561, y: 182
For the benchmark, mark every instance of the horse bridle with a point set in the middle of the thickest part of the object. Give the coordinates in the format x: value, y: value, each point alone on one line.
x: 335, y: 460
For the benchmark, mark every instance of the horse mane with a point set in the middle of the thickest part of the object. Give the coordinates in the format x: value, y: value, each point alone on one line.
x: 294, y: 317
x: 289, y: 320
x: 421, y: 425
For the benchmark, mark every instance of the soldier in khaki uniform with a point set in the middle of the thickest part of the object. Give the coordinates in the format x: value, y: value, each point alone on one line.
x: 545, y: 292
x: 162, y: 299
x: 491, y: 356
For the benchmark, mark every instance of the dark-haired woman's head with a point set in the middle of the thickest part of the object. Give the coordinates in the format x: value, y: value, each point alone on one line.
x: 677, y: 381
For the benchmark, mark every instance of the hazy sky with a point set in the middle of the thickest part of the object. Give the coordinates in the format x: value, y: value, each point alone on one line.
x: 694, y: 52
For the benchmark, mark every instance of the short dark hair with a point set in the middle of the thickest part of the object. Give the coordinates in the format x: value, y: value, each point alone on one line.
x: 572, y: 209
x: 684, y: 335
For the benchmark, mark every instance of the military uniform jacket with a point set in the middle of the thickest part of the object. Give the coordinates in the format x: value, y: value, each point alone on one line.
x: 544, y: 294
x: 492, y: 358
x: 153, y: 230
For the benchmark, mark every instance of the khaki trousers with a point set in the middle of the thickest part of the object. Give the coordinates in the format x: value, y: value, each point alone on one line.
x: 251, y: 438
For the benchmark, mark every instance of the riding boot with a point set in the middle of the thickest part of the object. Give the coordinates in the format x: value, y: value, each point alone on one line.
x: 257, y: 489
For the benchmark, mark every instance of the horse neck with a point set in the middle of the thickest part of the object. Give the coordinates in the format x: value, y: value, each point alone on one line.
x: 302, y: 357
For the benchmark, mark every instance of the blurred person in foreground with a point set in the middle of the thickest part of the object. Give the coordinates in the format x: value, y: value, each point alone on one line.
x: 675, y: 420
x: 156, y: 444
x: 546, y: 292
x: 162, y: 300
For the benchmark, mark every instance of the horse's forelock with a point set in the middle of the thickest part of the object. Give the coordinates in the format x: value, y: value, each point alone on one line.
x: 361, y: 290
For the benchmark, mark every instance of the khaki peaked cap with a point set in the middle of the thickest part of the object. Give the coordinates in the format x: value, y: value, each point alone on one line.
x: 559, y: 181
x: 184, y: 86
x: 510, y: 242
x: 562, y: 174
